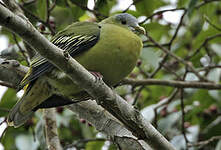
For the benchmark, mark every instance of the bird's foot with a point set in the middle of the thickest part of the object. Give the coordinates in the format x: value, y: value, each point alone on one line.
x: 97, y: 75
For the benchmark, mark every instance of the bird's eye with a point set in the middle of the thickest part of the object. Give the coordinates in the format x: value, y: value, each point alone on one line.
x: 123, y: 22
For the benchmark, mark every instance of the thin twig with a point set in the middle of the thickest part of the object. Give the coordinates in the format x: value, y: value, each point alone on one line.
x: 169, y: 45
x: 172, y: 96
x: 134, y: 2
x: 159, y: 67
x: 183, y: 118
x: 170, y: 70
x: 205, y: 2
x: 202, y: 45
x: 160, y: 12
x: 183, y: 110
x: 203, y: 143
x: 95, y: 12
x: 53, y: 6
x: 209, y: 67
x: 21, y: 50
x: 172, y: 83
x: 137, y: 95
x: 153, y: 45
x: 9, y: 85
x: 5, y: 110
x: 177, y: 29
x: 213, y: 25
x: 38, y: 19
x: 145, y: 74
x: 28, y: 2
x: 48, y: 11
x: 189, y: 65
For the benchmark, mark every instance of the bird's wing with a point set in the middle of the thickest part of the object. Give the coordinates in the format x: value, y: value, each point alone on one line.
x: 75, y: 39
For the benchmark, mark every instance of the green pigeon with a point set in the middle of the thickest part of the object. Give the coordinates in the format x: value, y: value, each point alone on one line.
x: 110, y: 48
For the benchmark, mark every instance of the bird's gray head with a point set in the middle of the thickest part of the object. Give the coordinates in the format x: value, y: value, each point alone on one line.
x: 126, y: 20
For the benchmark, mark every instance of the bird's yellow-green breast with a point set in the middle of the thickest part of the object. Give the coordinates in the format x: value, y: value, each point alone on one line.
x: 114, y: 56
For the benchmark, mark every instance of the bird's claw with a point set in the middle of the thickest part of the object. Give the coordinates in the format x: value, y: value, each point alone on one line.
x: 66, y: 55
x: 97, y: 75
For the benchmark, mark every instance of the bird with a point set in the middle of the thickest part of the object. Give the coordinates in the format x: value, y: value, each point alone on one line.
x: 109, y: 49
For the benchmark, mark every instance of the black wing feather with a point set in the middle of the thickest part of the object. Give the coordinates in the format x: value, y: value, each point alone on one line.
x: 74, y: 45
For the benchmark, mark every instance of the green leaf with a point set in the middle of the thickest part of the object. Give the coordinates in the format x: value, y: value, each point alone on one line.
x: 8, y: 100
x: 80, y: 2
x: 156, y: 30
x: 94, y: 145
x: 4, y: 31
x: 104, y: 6
x: 181, y: 3
x: 61, y: 3
x: 213, y: 129
x: 42, y: 9
x: 112, y: 147
x: 196, y: 26
x: 76, y: 12
x: 8, y: 139
x: 64, y: 16
x: 191, y: 6
x: 146, y: 7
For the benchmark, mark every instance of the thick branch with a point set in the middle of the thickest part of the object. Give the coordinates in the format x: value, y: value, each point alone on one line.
x: 11, y: 71
x: 14, y: 64
x: 106, y: 123
x: 51, y: 132
x: 14, y: 7
x: 112, y: 102
x: 102, y: 121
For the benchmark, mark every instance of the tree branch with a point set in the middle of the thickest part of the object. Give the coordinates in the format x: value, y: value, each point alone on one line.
x: 103, y: 122
x: 161, y: 12
x: 106, y: 123
x: 112, y: 102
x: 9, y: 85
x: 21, y: 50
x: 203, y: 143
x: 52, y: 139
x: 11, y: 71
x: 205, y: 2
x: 177, y: 84
x: 203, y: 45
x: 179, y: 59
x: 14, y: 64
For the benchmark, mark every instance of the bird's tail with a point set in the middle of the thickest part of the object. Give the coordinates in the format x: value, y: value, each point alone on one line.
x: 34, y: 94
x: 16, y: 117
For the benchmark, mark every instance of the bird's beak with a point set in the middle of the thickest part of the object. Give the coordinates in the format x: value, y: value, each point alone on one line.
x: 140, y: 29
